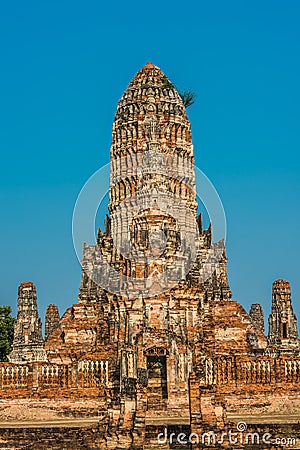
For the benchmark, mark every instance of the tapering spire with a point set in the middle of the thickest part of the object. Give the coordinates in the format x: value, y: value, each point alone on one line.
x: 151, y: 126
x: 283, y: 330
x: 152, y: 239
x: 28, y: 342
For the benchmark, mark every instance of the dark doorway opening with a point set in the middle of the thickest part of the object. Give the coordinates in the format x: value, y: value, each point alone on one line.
x: 284, y: 330
x: 157, y: 376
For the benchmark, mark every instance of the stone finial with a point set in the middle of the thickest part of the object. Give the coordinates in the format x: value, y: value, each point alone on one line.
x: 257, y: 316
x: 51, y: 320
x: 149, y: 65
x: 28, y: 344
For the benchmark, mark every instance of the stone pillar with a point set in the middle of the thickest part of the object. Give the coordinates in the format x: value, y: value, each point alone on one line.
x: 51, y: 320
x: 257, y: 316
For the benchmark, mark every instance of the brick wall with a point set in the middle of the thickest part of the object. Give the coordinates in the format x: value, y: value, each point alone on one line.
x: 87, y: 378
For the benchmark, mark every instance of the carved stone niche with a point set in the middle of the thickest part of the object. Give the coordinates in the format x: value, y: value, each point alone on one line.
x: 129, y: 386
x: 252, y: 340
x: 142, y: 377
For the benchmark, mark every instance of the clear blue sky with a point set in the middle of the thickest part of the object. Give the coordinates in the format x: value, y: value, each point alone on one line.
x: 64, y: 66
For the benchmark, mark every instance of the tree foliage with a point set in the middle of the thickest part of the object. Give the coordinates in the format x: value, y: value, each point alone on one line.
x: 188, y: 98
x: 6, y: 331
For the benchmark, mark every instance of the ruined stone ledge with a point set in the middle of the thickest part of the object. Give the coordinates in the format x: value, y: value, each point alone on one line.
x: 63, y: 422
x: 168, y: 420
x: 264, y: 418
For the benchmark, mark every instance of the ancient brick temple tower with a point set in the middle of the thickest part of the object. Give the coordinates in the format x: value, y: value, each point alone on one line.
x: 155, y: 335
x: 28, y: 341
x: 283, y: 330
x: 152, y: 202
x: 145, y: 322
